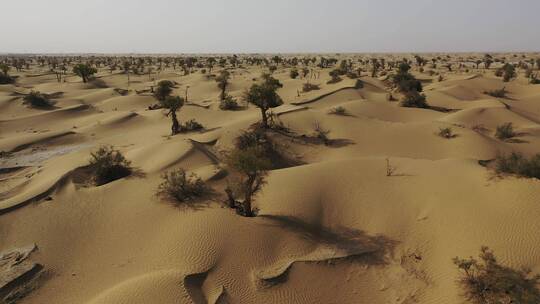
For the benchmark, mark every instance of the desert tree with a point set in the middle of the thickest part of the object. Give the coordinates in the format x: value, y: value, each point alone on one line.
x: 253, y: 165
x: 222, y: 82
x: 84, y: 70
x: 264, y: 96
x: 508, y: 72
x: 173, y: 104
x: 163, y: 90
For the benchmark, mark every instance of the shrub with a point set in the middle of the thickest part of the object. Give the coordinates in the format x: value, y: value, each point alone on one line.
x: 192, y: 125
x: 505, y: 131
x: 516, y: 163
x: 335, y: 77
x: 413, y: 99
x: 178, y: 186
x: 486, y: 281
x: 352, y: 75
x: 37, y: 100
x: 109, y: 165
x: 501, y: 93
x: 359, y: 84
x: 321, y: 133
x: 294, y: 73
x: 228, y: 103
x: 338, y: 111
x: 446, y: 133
x: 6, y: 79
x: 309, y: 87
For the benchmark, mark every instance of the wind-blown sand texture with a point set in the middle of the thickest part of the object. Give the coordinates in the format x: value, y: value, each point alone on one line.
x: 332, y: 229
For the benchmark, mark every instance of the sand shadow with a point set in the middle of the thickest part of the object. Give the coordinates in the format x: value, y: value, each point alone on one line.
x: 358, y: 245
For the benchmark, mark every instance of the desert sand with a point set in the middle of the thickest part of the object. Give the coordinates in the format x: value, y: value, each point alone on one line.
x: 331, y: 228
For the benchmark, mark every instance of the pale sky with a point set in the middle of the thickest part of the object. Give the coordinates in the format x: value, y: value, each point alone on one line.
x: 282, y: 26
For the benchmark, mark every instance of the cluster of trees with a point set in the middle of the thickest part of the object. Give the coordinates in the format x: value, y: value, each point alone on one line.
x: 411, y: 87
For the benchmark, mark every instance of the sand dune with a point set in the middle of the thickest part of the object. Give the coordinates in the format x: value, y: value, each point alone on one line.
x: 332, y: 227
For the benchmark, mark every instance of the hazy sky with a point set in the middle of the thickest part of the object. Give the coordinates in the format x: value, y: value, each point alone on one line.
x: 217, y: 26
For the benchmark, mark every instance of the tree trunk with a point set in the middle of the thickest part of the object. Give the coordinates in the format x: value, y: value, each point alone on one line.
x: 175, y: 129
x: 264, y: 118
x: 248, y: 194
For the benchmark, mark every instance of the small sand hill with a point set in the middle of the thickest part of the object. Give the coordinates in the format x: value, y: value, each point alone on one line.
x: 331, y: 228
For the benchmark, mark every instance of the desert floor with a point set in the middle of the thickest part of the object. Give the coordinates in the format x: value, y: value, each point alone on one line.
x: 332, y: 229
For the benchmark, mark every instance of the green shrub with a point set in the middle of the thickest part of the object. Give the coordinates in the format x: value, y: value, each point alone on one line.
x: 178, y: 186
x: 109, y: 165
x: 413, y: 99
x: 485, y: 281
x: 37, y: 100
x: 505, y: 131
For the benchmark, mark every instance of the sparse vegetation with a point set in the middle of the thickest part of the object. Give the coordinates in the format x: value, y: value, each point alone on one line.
x: 37, y: 100
x: 321, y: 133
x: 252, y: 165
x: 228, y: 103
x: 294, y: 73
x: 334, y: 74
x: 264, y: 96
x: 223, y: 81
x: 163, y: 90
x: 339, y: 110
x: 500, y: 93
x: 505, y: 131
x: 516, y: 163
x: 446, y: 133
x: 180, y: 187
x: 173, y: 104
x: 413, y: 99
x: 307, y: 87
x: 485, y: 281
x: 108, y: 165
x: 405, y: 81
x: 5, y: 78
x: 191, y: 125
x: 85, y: 71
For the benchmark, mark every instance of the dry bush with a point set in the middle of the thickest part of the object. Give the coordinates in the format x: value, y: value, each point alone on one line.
x: 339, y: 110
x: 307, y: 87
x: 505, y: 131
x: 446, y: 133
x: 37, y: 100
x: 108, y: 165
x: 180, y: 187
x: 485, y: 281
x: 516, y: 163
